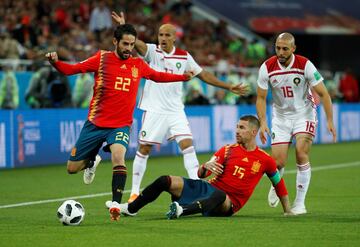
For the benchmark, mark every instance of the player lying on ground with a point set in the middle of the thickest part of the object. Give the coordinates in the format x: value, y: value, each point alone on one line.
x: 238, y: 168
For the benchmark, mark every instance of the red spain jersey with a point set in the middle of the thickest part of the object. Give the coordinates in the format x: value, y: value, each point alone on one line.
x: 116, y: 85
x: 242, y: 172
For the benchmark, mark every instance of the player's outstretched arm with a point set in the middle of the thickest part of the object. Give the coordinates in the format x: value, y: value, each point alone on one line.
x: 52, y: 57
x: 321, y: 90
x: 239, y: 89
x: 160, y: 77
x: 211, y: 79
x: 89, y: 65
x: 140, y: 45
x: 261, y: 112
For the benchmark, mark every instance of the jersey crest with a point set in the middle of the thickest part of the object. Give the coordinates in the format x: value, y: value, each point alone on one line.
x: 135, y: 72
x: 255, y: 167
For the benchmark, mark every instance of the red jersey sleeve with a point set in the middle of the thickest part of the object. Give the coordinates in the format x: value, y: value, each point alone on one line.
x: 220, y: 155
x: 271, y: 168
x: 156, y: 76
x: 89, y: 65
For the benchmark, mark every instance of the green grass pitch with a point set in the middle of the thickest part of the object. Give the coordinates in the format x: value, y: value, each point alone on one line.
x: 333, y: 204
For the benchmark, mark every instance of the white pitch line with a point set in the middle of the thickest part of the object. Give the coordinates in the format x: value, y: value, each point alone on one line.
x: 57, y: 200
x: 327, y: 167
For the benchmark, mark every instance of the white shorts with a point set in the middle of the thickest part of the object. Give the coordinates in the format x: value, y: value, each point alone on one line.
x: 155, y: 127
x: 283, y: 130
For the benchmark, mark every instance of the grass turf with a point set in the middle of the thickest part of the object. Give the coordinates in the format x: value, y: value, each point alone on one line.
x: 333, y: 201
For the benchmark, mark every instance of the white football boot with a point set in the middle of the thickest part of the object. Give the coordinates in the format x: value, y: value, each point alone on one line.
x: 273, y: 199
x: 175, y: 211
x: 298, y: 209
x: 89, y: 173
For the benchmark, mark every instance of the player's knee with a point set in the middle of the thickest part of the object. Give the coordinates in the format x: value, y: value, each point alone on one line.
x: 72, y: 168
x: 162, y: 183
x: 145, y: 149
x: 118, y: 158
x: 280, y: 163
x: 185, y: 144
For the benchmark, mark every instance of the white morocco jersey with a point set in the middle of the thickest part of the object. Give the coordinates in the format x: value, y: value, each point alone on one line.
x: 290, y: 86
x: 166, y: 98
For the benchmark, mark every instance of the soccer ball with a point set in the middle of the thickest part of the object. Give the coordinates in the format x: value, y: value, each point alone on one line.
x: 71, y: 213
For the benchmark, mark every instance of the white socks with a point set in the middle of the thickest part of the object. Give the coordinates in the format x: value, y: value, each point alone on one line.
x: 191, y: 162
x: 139, y: 167
x: 303, y: 176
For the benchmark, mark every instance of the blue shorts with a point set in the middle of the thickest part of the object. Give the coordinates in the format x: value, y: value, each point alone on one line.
x: 195, y: 190
x: 92, y: 138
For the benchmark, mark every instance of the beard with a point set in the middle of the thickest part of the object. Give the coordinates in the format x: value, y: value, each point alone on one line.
x: 123, y: 54
x: 283, y: 60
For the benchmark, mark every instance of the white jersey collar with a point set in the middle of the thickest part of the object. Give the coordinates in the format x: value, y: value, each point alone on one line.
x: 165, y: 53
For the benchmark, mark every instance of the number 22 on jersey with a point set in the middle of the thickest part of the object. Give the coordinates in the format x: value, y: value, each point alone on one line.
x: 122, y: 84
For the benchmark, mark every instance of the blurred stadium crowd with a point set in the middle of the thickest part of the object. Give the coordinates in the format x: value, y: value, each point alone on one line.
x: 77, y: 29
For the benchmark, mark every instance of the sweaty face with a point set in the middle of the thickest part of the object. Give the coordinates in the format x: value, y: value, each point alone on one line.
x: 243, y: 132
x: 166, y: 38
x: 284, y: 49
x: 125, y: 46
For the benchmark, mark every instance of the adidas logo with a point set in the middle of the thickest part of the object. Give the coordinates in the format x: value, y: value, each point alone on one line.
x: 245, y: 159
x: 123, y: 67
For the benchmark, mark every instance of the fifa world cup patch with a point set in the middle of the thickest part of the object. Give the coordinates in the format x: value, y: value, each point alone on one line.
x: 317, y: 75
x: 143, y: 133
x: 73, y: 151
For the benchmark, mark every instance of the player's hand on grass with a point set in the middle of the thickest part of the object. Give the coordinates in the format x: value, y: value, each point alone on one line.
x: 264, y: 130
x: 289, y: 213
x: 239, y: 89
x: 52, y: 57
x: 120, y: 19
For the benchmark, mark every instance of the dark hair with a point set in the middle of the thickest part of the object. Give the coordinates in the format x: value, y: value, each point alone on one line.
x: 254, y: 122
x: 124, y: 29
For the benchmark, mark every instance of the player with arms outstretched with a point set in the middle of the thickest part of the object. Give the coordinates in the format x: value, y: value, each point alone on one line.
x: 291, y: 78
x: 164, y: 115
x: 117, y: 75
